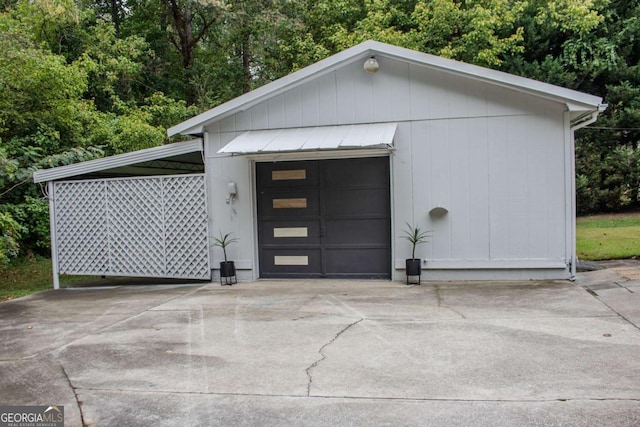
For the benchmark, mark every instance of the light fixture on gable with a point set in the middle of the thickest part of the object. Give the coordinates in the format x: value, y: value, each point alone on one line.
x: 371, y: 65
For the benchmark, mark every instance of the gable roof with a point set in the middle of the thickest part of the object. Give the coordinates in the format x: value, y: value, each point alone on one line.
x: 575, y: 101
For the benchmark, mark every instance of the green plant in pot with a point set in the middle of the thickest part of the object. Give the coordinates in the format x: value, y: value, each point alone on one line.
x: 416, y: 236
x: 227, y: 268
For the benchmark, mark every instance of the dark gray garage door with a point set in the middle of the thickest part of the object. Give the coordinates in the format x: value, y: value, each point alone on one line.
x: 324, y: 218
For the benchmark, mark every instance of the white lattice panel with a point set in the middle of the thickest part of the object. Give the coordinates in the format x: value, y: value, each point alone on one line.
x: 81, y: 227
x: 136, y: 227
x: 148, y: 227
x: 185, y: 228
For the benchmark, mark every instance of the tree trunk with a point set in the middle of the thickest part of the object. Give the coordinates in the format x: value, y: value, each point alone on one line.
x: 115, y: 16
x: 246, y: 62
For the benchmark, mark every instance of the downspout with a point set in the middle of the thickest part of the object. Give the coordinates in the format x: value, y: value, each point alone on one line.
x: 578, y: 123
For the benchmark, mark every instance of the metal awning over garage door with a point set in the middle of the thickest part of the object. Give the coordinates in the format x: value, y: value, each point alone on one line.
x: 376, y: 135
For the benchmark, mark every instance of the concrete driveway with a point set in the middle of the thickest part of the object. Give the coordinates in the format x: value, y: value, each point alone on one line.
x: 328, y: 353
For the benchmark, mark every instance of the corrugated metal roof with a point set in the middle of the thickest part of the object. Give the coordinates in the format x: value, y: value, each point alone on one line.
x: 376, y: 135
x: 119, y: 160
x: 575, y: 101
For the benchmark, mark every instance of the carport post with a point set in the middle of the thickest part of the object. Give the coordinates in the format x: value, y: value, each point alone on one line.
x: 52, y: 229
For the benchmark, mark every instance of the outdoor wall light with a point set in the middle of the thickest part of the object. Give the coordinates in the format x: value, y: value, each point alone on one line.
x: 233, y: 192
x: 371, y: 65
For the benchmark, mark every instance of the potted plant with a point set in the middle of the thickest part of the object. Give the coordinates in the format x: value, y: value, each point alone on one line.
x: 415, y: 236
x: 227, y: 268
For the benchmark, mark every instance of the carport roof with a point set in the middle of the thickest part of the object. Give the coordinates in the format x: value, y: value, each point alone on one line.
x: 122, y: 160
x: 578, y: 103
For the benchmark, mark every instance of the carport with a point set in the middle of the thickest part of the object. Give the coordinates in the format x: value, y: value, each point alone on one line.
x: 141, y: 214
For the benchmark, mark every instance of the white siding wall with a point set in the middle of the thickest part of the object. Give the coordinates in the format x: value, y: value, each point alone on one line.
x: 493, y: 157
x: 237, y: 215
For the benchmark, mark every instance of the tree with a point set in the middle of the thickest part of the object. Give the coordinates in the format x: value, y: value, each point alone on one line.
x: 79, y: 103
x: 191, y: 20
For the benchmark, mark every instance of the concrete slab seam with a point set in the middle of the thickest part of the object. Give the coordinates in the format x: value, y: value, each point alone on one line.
x: 618, y: 313
x: 75, y: 394
x: 439, y: 299
x: 370, y: 398
x: 323, y: 356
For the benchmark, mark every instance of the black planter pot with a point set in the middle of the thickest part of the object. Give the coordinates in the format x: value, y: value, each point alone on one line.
x: 413, y: 267
x: 228, y: 273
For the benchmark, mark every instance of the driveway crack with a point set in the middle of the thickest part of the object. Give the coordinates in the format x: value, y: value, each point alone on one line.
x: 324, y: 356
x: 75, y: 394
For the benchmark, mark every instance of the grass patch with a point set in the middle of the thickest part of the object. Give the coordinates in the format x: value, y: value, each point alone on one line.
x: 27, y: 276
x: 612, y: 236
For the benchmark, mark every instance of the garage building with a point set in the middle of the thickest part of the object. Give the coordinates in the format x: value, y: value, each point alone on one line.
x: 318, y: 173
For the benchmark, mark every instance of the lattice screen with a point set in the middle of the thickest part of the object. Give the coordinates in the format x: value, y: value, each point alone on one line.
x: 147, y: 227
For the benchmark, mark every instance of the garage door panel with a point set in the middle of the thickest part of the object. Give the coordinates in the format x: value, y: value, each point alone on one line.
x: 288, y: 174
x: 290, y: 261
x: 368, y: 262
x: 357, y: 202
x: 290, y: 232
x: 289, y: 203
x: 365, y: 172
x: 356, y: 231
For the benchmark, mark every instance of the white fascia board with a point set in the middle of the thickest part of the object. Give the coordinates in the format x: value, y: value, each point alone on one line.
x: 118, y: 160
x: 575, y: 100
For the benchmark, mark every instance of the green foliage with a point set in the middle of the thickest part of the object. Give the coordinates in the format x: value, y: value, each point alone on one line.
x: 22, y: 202
x: 9, y: 236
x: 133, y: 131
x: 164, y: 112
x: 33, y: 217
x: 223, y: 242
x: 387, y: 21
x: 480, y: 32
x: 416, y: 237
x: 27, y: 159
x: 608, y: 154
x: 40, y: 94
x: 113, y: 65
x: 57, y: 25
